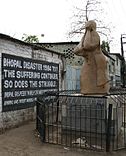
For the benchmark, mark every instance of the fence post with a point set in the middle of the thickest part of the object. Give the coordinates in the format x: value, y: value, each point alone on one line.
x: 57, y: 111
x: 36, y: 115
x: 108, y: 129
x: 43, y: 128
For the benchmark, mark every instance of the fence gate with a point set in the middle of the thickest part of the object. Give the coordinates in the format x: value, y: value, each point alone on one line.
x: 91, y: 122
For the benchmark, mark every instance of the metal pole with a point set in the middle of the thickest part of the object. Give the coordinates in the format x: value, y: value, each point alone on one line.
x: 108, y: 131
x: 122, y: 51
x: 123, y: 62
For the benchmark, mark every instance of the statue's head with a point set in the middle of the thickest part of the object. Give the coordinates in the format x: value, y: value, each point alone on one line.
x: 90, y: 25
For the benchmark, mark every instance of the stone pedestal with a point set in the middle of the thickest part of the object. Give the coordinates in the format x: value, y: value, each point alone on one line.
x: 88, y: 114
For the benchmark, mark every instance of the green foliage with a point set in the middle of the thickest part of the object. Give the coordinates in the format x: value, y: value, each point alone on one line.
x: 105, y: 46
x: 30, y: 38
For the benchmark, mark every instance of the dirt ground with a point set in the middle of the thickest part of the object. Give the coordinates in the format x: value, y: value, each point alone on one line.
x: 22, y: 141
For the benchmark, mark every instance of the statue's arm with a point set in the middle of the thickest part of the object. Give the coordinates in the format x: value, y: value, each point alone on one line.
x: 91, y: 42
x: 91, y: 47
x: 79, y: 49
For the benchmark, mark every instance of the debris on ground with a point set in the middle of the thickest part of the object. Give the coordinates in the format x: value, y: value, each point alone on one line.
x: 81, y: 142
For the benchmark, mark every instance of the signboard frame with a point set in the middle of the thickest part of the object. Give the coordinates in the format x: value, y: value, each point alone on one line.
x: 24, y: 79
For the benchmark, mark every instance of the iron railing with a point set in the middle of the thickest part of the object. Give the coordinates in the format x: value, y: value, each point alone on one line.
x: 91, y: 122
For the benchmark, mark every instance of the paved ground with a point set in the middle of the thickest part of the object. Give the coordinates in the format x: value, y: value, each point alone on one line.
x: 23, y: 142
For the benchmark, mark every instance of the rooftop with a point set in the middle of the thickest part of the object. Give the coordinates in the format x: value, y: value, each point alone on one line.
x: 33, y: 46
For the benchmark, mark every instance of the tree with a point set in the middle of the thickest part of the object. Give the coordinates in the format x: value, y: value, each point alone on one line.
x: 30, y: 38
x: 105, y: 46
x: 91, y: 10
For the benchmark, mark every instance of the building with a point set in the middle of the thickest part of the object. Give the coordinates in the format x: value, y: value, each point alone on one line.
x: 117, y: 75
x: 27, y: 71
x: 65, y: 48
x: 73, y: 64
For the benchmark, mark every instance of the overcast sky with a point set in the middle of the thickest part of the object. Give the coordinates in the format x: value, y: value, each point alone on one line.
x: 52, y: 18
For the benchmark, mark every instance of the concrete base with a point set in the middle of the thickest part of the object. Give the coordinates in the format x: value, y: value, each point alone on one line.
x: 16, y: 118
x: 88, y: 114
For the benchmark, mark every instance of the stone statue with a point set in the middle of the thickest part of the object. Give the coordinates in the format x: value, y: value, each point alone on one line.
x: 94, y: 75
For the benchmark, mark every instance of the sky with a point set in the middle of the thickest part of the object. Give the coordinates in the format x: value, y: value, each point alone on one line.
x: 53, y: 19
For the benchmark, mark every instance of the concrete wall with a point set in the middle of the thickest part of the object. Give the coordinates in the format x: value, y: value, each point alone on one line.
x: 9, y: 46
x: 13, y: 118
x: 66, y: 48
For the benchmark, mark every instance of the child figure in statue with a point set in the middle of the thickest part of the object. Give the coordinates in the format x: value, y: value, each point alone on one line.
x: 94, y: 74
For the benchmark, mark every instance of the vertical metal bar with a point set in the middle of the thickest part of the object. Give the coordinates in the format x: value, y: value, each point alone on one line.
x: 52, y: 122
x: 57, y: 120
x: 70, y: 118
x: 90, y: 125
x: 57, y: 112
x: 124, y: 116
x: 48, y: 127
x: 37, y: 114
x: 116, y: 126
x: 122, y: 139
x: 62, y: 101
x: 75, y: 104
x: 43, y: 126
x: 85, y: 120
x: 113, y: 132
x: 96, y: 109
x: 67, y: 121
x: 101, y: 120
x: 108, y: 132
x: 80, y: 116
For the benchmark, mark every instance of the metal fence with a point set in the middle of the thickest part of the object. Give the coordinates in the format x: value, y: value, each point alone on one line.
x: 91, y: 122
